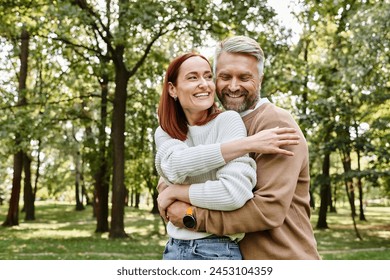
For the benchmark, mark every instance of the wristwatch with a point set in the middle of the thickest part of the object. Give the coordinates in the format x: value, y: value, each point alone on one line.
x: 189, y: 220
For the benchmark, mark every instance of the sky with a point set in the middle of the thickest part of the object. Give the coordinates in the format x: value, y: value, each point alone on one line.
x: 283, y: 10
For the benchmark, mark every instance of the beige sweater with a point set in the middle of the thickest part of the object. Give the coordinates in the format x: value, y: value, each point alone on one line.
x: 277, y: 220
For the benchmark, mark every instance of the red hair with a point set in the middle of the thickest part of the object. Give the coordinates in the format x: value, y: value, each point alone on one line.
x: 170, y: 113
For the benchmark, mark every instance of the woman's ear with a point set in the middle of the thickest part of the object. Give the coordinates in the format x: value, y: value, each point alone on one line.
x: 172, y: 90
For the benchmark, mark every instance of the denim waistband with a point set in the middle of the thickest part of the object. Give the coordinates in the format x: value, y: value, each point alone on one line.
x: 208, y: 239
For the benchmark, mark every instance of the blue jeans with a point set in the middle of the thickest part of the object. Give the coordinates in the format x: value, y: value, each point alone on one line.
x: 209, y: 248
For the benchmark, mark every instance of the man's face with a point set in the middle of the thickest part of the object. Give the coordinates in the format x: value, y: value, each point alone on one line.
x: 238, y: 82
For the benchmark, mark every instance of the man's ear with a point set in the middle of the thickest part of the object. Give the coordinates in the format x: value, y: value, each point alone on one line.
x: 172, y: 90
x: 261, y: 79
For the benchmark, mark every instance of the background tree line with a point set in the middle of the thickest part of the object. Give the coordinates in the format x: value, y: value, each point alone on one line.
x: 80, y: 83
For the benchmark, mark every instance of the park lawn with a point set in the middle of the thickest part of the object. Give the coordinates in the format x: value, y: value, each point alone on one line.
x: 340, y: 241
x: 61, y: 233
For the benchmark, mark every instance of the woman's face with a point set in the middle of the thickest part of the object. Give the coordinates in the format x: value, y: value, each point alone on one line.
x: 194, y: 88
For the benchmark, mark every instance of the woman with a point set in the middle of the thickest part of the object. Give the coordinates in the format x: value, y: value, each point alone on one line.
x: 191, y: 130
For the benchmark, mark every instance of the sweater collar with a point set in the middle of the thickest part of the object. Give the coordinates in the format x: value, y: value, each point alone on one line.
x: 261, y: 101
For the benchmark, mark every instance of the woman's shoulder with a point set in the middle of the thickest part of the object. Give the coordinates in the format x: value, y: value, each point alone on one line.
x: 229, y: 120
x: 229, y: 115
x: 159, y: 131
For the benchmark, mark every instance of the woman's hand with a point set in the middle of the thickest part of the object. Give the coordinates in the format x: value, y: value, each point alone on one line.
x: 170, y: 195
x: 270, y: 141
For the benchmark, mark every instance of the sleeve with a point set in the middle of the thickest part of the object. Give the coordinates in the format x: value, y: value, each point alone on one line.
x: 235, y: 180
x: 175, y: 160
x: 231, y: 189
x: 273, y: 195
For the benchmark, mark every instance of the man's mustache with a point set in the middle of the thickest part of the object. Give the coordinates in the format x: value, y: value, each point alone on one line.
x: 237, y: 92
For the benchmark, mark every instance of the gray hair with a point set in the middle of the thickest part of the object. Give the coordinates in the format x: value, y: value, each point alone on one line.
x: 243, y: 45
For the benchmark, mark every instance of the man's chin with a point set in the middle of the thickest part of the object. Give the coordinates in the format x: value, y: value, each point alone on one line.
x: 235, y: 107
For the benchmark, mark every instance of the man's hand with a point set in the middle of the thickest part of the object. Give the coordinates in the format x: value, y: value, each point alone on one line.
x: 176, y: 212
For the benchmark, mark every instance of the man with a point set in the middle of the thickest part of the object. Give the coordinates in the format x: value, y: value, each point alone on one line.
x: 277, y: 219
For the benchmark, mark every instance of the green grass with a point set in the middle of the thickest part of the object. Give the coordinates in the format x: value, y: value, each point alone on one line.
x: 340, y: 241
x: 61, y: 233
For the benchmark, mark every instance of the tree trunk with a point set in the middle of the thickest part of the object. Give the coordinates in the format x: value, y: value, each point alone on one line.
x: 101, y: 198
x: 79, y: 203
x: 362, y: 217
x: 117, y: 229
x: 99, y: 164
x: 349, y: 183
x: 137, y: 199
x: 12, y: 218
x: 37, y: 171
x: 154, y: 198
x: 332, y: 200
x: 350, y: 191
x: 29, y: 206
x: 324, y: 193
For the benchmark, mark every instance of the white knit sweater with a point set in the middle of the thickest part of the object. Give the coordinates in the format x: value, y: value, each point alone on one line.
x: 198, y: 161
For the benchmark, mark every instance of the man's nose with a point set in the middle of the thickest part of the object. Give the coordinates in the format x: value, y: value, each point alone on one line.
x: 234, y: 85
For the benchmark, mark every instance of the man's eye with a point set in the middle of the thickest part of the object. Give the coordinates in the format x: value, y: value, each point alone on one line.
x: 225, y: 78
x: 245, y: 78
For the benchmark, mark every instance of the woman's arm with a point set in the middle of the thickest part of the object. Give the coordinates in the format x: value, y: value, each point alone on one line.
x: 175, y: 160
x: 226, y: 188
x: 267, y: 141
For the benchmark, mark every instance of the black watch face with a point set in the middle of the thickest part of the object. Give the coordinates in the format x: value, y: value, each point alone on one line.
x: 189, y: 221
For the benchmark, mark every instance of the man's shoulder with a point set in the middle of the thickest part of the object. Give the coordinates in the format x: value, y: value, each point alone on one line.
x: 269, y: 110
x: 268, y: 116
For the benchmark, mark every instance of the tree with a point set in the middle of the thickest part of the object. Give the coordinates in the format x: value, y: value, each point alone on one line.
x: 146, y: 24
x: 12, y: 218
x: 340, y: 76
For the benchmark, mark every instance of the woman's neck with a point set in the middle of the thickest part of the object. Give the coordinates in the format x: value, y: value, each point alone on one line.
x: 196, y: 117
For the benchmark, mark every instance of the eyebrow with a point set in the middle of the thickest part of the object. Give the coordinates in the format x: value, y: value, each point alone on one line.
x: 196, y: 73
x: 248, y: 74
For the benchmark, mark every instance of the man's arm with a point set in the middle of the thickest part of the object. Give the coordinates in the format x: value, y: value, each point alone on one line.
x: 278, y: 177
x: 266, y: 210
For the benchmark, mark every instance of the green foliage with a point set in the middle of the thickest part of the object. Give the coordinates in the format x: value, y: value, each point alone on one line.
x: 341, y: 87
x: 334, y: 80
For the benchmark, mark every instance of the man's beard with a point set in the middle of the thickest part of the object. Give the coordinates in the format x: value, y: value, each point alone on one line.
x: 248, y: 102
